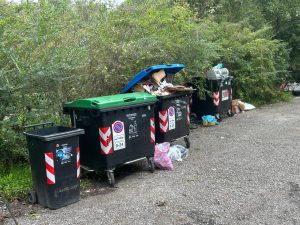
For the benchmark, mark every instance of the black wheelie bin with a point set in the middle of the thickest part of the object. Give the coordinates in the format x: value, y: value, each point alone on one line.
x: 119, y: 129
x: 55, y: 166
x: 218, y: 94
x: 172, y: 112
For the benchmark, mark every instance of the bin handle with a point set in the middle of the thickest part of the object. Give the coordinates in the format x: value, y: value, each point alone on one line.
x: 96, y: 102
x: 129, y: 99
x: 34, y: 126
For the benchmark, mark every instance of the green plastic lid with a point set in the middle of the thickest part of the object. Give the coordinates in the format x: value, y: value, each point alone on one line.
x: 112, y: 101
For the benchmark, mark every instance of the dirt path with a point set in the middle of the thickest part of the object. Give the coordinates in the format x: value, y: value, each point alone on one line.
x: 244, y: 171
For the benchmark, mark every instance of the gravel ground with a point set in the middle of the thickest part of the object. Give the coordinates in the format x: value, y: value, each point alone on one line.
x: 244, y: 171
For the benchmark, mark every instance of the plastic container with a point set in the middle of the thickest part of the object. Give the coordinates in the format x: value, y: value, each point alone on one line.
x: 54, y: 159
x: 172, y: 112
x: 119, y: 129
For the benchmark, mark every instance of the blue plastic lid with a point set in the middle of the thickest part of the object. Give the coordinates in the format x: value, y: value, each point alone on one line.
x: 169, y: 69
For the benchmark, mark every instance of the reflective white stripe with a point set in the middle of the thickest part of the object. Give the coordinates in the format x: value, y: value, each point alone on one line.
x: 216, y: 101
x: 50, y: 176
x: 78, y: 168
x: 216, y: 94
x: 105, y: 135
x: 153, y: 136
x: 163, y: 117
x: 164, y: 128
x: 49, y: 161
x: 106, y: 149
x: 78, y: 172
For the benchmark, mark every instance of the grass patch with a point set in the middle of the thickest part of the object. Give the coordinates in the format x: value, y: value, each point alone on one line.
x: 15, y: 181
x: 85, y: 184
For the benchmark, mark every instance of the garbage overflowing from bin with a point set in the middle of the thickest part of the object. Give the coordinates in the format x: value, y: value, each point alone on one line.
x: 119, y: 129
x: 218, y: 94
x: 159, y: 84
x: 172, y: 111
x: 55, y: 167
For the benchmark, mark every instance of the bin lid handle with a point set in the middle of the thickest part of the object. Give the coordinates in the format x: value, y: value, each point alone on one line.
x: 129, y: 99
x: 95, y: 102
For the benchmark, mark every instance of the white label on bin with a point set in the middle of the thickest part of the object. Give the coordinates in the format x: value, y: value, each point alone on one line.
x: 118, y: 135
x: 133, y: 130
x: 172, y: 120
x: 225, y: 95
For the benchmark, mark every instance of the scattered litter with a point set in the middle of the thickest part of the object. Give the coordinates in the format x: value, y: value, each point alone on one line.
x: 238, y: 106
x: 161, y: 158
x: 248, y: 106
x: 209, y: 120
x: 159, y: 84
x: 178, y: 152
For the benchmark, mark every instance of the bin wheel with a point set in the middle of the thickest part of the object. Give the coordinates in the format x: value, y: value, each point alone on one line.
x: 151, y: 164
x: 230, y: 113
x: 32, y: 197
x: 187, y: 142
x: 218, y: 117
x: 111, y: 178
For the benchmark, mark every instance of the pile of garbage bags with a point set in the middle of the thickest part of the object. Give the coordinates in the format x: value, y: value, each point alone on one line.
x: 164, y: 154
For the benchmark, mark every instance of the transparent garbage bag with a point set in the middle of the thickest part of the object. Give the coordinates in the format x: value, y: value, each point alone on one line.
x: 178, y: 152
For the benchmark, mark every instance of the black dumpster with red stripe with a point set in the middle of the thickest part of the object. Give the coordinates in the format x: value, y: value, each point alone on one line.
x: 172, y: 112
x: 55, y: 165
x: 218, y: 96
x: 172, y: 117
x: 119, y: 129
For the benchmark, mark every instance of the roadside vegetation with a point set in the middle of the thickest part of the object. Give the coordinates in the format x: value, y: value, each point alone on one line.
x: 56, y: 51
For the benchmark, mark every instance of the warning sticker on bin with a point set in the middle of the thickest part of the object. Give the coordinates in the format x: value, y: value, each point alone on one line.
x: 172, y: 120
x: 225, y: 95
x: 118, y: 135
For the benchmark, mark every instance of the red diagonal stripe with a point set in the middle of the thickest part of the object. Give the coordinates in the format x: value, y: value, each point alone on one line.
x: 164, y: 123
x: 104, y: 129
x: 50, y: 168
x: 106, y: 142
x: 162, y: 131
x: 49, y: 154
x: 163, y: 113
x: 152, y: 129
x: 49, y: 181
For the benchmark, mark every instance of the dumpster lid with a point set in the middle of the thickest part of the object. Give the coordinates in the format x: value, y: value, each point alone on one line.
x: 112, y: 101
x: 54, y: 133
x: 169, y: 69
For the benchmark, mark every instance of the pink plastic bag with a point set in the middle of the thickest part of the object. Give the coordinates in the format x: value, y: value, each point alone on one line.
x: 161, y: 158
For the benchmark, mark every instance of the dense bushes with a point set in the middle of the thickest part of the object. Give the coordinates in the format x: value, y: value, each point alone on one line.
x: 55, y: 51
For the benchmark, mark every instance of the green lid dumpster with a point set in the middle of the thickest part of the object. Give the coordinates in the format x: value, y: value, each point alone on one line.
x: 54, y: 159
x: 118, y: 129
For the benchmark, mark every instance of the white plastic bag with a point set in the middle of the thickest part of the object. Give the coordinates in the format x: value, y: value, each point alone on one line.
x: 161, y: 158
x: 178, y: 152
